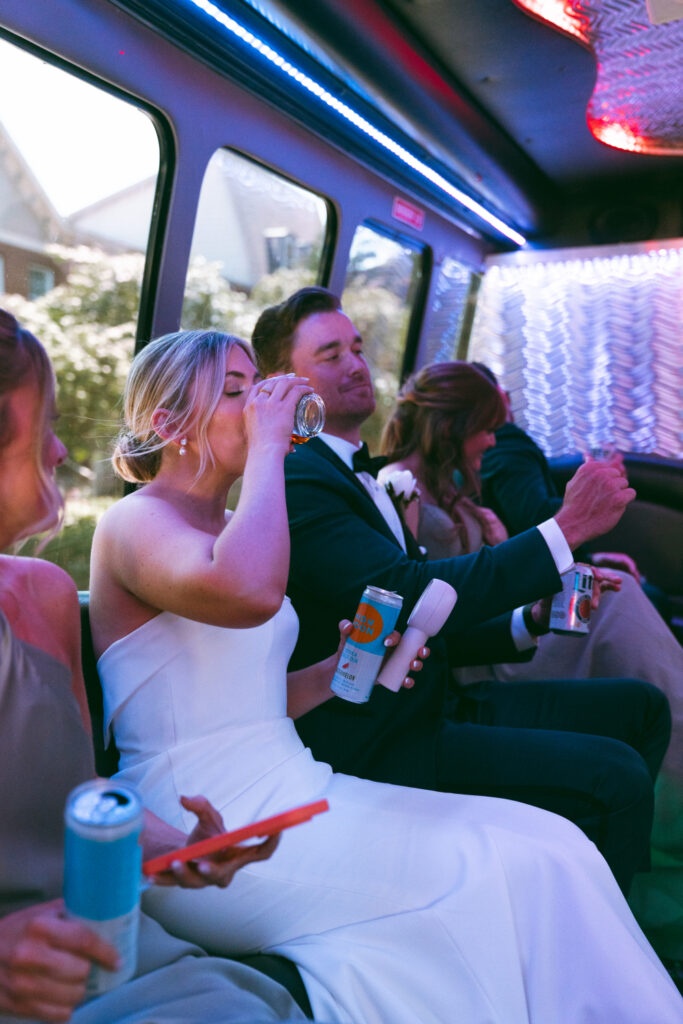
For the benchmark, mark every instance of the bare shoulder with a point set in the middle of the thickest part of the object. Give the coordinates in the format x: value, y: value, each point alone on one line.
x: 129, y: 525
x: 136, y: 539
x: 140, y: 511
x: 41, y: 582
x: 42, y: 604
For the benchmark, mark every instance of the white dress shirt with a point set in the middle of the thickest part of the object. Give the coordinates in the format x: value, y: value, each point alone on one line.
x: 549, y: 530
x: 346, y: 450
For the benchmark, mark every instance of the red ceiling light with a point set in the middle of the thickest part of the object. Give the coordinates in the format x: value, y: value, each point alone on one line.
x: 637, y: 102
x: 560, y: 14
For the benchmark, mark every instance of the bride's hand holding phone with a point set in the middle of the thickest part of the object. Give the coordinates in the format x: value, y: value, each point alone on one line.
x: 217, y: 868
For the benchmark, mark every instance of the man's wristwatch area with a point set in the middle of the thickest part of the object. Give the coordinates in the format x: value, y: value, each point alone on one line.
x: 532, y: 626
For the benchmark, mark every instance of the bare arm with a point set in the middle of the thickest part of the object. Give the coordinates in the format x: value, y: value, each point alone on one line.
x: 51, y: 619
x: 309, y: 687
x: 73, y: 639
x: 148, y: 545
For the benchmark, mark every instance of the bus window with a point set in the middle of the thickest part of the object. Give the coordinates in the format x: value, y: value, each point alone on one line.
x: 450, y: 321
x: 78, y: 171
x: 257, y: 238
x: 384, y: 278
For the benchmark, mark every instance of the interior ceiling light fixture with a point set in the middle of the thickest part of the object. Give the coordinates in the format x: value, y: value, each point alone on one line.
x: 637, y: 102
x: 344, y: 110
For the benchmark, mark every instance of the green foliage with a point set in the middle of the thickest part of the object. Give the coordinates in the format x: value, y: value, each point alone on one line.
x: 71, y: 549
x: 382, y: 322
x: 211, y: 302
x: 87, y: 326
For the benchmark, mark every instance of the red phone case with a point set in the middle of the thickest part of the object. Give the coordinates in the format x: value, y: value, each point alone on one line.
x: 259, y: 828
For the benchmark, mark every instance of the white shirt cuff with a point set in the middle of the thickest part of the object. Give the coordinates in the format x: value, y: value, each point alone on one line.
x: 557, y: 544
x: 521, y: 637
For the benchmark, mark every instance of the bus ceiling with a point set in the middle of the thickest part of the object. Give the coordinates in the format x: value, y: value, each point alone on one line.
x: 474, y: 107
x: 515, y: 105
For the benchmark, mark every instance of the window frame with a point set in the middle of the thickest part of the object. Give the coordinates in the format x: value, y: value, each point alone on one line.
x: 164, y: 180
x: 417, y: 310
x: 328, y: 248
x: 46, y: 274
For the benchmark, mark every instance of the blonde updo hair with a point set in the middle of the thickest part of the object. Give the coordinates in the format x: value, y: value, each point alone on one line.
x: 183, y: 373
x: 23, y: 358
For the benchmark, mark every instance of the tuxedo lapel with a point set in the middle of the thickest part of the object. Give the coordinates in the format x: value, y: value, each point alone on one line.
x: 335, y: 464
x: 413, y: 549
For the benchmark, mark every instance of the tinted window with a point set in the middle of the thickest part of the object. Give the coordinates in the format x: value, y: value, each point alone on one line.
x: 257, y: 238
x: 450, y: 319
x: 383, y: 280
x: 77, y: 178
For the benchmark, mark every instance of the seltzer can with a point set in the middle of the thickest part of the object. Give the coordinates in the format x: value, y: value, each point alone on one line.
x: 571, y: 608
x: 362, y: 655
x: 103, y: 871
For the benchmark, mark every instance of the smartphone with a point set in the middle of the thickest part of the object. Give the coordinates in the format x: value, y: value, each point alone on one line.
x: 259, y: 828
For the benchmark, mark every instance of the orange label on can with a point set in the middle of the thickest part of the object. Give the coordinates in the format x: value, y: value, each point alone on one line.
x: 367, y: 624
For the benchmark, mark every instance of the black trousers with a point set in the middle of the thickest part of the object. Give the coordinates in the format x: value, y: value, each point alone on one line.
x: 586, y: 749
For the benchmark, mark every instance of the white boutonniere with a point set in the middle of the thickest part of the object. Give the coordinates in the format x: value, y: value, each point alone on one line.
x: 400, y: 485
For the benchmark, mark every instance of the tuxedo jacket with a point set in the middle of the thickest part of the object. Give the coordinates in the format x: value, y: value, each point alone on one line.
x: 516, y: 480
x: 341, y: 543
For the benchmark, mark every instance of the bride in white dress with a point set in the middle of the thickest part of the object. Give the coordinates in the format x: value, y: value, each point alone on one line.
x: 399, y: 905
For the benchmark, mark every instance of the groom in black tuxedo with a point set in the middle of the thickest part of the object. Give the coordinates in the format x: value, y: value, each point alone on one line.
x: 588, y: 750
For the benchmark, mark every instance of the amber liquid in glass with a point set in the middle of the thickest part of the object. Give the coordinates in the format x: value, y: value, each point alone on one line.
x: 298, y: 439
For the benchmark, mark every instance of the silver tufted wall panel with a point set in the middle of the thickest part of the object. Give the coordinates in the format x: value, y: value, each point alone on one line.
x: 589, y: 343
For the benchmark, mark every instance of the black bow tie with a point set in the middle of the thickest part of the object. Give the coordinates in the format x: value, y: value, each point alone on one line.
x: 363, y: 462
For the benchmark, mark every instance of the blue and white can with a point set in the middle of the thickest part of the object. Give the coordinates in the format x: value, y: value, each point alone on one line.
x: 570, y: 610
x: 103, y: 871
x: 361, y: 657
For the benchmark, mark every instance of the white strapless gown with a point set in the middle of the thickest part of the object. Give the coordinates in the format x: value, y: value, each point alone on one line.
x: 399, y: 906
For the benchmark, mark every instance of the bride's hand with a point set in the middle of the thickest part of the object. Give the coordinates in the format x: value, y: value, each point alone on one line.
x: 390, y: 642
x: 269, y: 410
x: 218, y: 868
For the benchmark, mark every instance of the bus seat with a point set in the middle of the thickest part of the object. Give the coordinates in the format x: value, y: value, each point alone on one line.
x: 651, y: 527
x: 106, y: 762
x: 106, y: 757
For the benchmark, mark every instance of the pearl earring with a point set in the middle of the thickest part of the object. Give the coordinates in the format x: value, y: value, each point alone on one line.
x: 183, y: 446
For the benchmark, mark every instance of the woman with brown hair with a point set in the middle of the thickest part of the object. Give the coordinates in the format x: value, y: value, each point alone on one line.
x: 444, y: 421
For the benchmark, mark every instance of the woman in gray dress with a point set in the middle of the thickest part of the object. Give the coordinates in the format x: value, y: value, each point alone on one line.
x: 45, y: 750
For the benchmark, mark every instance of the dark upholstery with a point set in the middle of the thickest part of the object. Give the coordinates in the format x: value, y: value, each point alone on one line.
x: 282, y: 971
x: 106, y: 762
x: 106, y: 758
